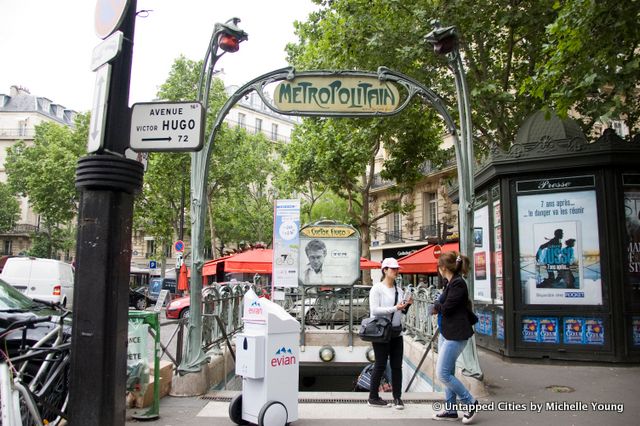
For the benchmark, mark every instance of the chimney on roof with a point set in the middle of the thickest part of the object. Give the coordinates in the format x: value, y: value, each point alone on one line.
x: 19, y: 90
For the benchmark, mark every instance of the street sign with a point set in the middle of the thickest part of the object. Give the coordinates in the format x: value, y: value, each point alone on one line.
x: 98, y: 113
x: 437, y: 250
x: 107, y: 50
x: 153, y: 264
x: 167, y: 126
x: 179, y: 245
x: 108, y: 16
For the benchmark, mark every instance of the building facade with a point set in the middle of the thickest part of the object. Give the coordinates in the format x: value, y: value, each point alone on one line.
x: 20, y: 113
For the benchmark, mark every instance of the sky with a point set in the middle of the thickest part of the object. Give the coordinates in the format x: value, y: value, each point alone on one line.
x: 46, y: 45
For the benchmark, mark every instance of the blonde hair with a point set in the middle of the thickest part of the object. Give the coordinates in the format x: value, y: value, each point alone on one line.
x: 454, y: 262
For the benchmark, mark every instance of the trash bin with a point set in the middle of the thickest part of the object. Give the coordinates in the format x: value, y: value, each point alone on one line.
x: 151, y: 319
x: 267, y: 358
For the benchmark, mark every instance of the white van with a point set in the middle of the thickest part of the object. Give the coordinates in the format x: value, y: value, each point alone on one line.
x: 44, y: 279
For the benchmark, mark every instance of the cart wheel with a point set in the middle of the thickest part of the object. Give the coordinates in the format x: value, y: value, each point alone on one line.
x: 235, y: 410
x: 273, y: 413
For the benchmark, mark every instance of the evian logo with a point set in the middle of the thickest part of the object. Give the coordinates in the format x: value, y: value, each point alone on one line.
x: 255, y: 308
x: 283, y: 356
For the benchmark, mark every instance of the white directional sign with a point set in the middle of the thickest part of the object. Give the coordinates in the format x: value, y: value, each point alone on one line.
x: 107, y: 50
x: 167, y: 126
x: 98, y: 113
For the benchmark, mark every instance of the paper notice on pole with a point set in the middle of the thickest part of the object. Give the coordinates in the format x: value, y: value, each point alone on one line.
x: 286, y: 241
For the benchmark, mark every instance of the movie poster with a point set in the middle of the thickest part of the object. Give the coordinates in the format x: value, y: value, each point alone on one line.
x: 632, y: 258
x: 500, y: 326
x: 482, y: 268
x: 530, y: 330
x: 559, y: 248
x: 635, y: 325
x: 594, y: 332
x: 548, y: 332
x: 573, y: 330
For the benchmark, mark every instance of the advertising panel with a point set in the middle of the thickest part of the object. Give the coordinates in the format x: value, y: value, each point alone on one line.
x: 482, y: 268
x: 286, y: 241
x: 635, y: 325
x: 632, y: 221
x: 329, y: 255
x: 559, y: 248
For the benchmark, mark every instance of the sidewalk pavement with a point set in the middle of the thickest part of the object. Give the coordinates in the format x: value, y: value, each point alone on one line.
x: 537, y: 392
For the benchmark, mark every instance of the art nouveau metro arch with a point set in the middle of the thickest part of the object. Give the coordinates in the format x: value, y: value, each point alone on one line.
x: 330, y: 94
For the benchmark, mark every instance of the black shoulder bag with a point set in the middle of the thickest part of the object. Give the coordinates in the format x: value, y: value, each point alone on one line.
x: 378, y: 329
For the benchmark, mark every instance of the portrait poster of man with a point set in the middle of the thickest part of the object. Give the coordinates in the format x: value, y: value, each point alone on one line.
x: 559, y: 248
x: 329, y: 261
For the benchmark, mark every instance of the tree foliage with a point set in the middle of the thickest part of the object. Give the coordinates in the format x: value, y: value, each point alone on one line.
x: 591, y: 61
x: 45, y: 172
x: 9, y: 208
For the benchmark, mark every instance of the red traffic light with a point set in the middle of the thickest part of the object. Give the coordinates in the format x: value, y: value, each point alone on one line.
x: 228, y: 43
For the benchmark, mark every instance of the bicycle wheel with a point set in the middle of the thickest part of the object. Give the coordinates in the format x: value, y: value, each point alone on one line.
x: 52, y: 398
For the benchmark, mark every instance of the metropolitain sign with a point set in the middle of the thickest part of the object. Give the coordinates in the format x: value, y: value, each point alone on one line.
x: 351, y: 94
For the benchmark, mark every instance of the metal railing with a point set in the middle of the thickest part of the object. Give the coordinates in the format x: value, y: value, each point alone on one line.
x: 18, y: 133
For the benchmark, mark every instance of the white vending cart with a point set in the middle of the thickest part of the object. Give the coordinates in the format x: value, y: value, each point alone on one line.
x: 268, y: 359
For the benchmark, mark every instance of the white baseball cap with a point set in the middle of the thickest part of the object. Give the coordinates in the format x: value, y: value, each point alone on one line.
x: 390, y: 262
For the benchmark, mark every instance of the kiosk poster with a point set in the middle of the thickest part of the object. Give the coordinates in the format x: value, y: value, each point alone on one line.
x: 559, y: 248
x: 482, y: 268
x: 573, y: 328
x: 329, y: 255
x: 632, y: 219
x: 549, y: 330
x: 530, y: 330
x: 285, y: 243
x: 594, y: 332
x: 500, y: 326
x: 635, y: 325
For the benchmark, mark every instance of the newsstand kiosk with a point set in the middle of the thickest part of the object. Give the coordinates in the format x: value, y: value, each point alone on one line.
x: 267, y: 358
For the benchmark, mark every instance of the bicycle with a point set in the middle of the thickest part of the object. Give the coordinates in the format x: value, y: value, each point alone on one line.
x: 35, y: 384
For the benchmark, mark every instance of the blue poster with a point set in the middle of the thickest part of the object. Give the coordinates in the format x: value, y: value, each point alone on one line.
x: 635, y: 324
x: 500, y: 326
x: 548, y: 330
x: 488, y: 323
x: 530, y: 330
x: 573, y: 328
x: 594, y: 332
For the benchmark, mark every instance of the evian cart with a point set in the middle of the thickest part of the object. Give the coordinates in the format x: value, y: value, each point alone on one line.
x: 267, y: 358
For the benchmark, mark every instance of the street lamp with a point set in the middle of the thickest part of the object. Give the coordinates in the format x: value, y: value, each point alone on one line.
x: 445, y: 42
x: 226, y: 37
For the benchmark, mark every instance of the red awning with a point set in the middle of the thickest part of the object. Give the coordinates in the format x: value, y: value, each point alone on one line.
x: 209, y: 267
x: 257, y: 261
x: 369, y: 264
x: 423, y: 261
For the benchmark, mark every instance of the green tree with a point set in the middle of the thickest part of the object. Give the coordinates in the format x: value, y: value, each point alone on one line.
x: 45, y: 172
x: 9, y: 208
x: 591, y: 62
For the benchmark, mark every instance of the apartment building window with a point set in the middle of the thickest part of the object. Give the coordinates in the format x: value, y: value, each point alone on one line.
x: 395, y: 228
x: 242, y: 120
x: 274, y: 132
x: 258, y: 125
x: 151, y: 249
x: 7, y: 247
x: 430, y: 221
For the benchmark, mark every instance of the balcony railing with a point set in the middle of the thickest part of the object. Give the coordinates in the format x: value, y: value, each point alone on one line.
x: 428, y: 231
x: 393, y: 236
x: 17, y: 133
x: 22, y: 229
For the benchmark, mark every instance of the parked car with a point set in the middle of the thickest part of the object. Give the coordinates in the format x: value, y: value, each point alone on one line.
x: 178, y: 308
x: 139, y: 299
x: 45, y: 279
x: 15, y: 307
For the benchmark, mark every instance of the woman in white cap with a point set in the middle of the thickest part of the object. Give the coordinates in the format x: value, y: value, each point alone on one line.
x: 387, y: 300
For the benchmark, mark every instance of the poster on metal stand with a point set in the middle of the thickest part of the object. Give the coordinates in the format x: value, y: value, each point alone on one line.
x: 286, y: 242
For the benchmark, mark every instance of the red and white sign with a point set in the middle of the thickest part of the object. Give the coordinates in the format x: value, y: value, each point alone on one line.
x: 437, y: 250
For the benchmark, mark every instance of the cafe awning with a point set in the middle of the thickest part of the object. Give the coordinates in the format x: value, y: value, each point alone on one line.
x: 369, y: 264
x: 423, y: 261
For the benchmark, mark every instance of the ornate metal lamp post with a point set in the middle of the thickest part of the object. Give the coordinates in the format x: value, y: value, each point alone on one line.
x: 445, y: 42
x: 226, y: 37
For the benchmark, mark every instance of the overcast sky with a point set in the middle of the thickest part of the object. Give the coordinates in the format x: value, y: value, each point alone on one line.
x: 46, y: 45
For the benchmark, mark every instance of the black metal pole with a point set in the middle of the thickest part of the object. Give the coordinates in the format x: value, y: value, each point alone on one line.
x: 107, y: 183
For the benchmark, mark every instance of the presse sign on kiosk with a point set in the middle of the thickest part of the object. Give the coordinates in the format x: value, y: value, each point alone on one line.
x: 267, y: 358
